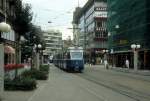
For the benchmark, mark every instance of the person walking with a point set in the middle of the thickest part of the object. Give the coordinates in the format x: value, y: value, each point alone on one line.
x: 106, y: 64
x: 90, y: 63
x: 127, y: 63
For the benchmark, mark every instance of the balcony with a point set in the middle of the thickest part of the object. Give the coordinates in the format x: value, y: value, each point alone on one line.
x: 100, y: 8
x: 100, y: 14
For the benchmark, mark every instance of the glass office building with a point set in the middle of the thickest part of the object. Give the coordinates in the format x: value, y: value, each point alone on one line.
x: 129, y: 23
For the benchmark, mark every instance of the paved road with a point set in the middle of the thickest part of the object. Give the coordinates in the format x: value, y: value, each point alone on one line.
x: 95, y: 84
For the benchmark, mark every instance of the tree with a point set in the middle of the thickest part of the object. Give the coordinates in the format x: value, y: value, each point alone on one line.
x: 33, y: 37
x: 21, y: 24
x: 22, y: 21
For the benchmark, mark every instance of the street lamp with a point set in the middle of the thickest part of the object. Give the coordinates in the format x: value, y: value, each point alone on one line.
x: 22, y: 39
x: 37, y: 47
x: 109, y: 34
x: 4, y: 27
x: 117, y: 26
x: 135, y: 48
x: 105, y: 51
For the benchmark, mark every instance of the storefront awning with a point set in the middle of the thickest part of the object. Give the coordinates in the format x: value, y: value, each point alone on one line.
x: 9, y: 49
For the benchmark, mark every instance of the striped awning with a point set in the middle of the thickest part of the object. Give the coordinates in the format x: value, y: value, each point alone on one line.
x: 9, y: 49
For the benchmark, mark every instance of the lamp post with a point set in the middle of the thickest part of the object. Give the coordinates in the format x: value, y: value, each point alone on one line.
x: 111, y: 33
x: 4, y: 27
x: 22, y: 40
x: 135, y: 48
x: 112, y: 57
x: 105, y: 51
x: 37, y: 47
x: 117, y: 26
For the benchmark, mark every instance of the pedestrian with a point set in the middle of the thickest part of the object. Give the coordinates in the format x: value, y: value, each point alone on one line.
x: 48, y: 62
x: 101, y: 61
x: 91, y: 63
x: 106, y: 64
x: 127, y: 63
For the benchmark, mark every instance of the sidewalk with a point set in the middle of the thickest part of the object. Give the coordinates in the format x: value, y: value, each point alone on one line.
x: 125, y: 70
x: 23, y: 95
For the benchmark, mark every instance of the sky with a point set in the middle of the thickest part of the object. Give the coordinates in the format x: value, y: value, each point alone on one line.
x: 58, y: 12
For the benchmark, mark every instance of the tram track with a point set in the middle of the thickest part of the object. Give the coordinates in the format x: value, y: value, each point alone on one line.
x: 123, y: 90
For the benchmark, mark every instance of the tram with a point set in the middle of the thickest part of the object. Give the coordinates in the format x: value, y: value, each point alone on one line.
x: 72, y: 60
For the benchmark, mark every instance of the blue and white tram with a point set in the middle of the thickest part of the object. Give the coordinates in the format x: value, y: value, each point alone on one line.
x: 71, y: 61
x: 75, y: 61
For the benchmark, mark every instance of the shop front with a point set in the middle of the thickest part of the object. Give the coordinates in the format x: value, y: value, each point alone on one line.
x: 118, y: 59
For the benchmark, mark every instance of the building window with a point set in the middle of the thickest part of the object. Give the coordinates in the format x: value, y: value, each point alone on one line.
x: 99, y: 24
x: 105, y: 34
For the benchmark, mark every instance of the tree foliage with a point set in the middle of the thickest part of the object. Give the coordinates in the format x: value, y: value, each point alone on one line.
x: 33, y: 37
x: 23, y: 17
x: 22, y: 25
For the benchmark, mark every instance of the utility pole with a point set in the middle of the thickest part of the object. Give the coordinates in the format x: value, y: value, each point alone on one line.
x: 78, y: 3
x: 76, y: 28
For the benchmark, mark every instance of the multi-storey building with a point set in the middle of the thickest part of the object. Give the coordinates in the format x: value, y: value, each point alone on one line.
x: 53, y: 41
x: 7, y: 14
x: 91, y: 21
x: 76, y: 30
x: 2, y: 15
x: 7, y: 10
x: 133, y: 27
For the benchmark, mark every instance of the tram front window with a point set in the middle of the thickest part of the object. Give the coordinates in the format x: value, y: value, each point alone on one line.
x: 76, y: 55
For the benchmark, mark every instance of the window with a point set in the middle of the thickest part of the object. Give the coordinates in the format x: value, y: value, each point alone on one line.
x: 76, y: 55
x: 99, y: 24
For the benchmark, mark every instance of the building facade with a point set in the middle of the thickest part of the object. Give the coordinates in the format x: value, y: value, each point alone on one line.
x: 92, y: 20
x: 7, y: 14
x: 76, y: 28
x: 133, y: 23
x: 53, y: 41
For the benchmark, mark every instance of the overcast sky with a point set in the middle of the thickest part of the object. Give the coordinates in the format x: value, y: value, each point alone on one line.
x: 59, y: 12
